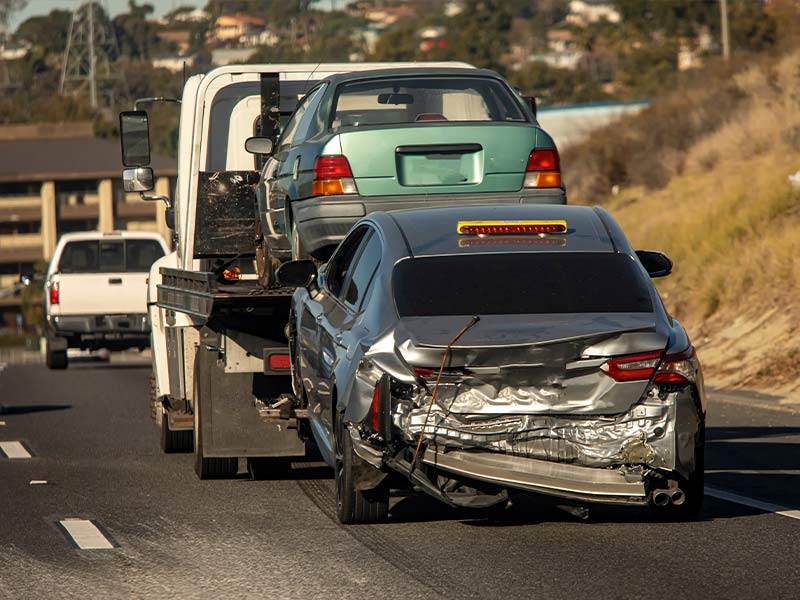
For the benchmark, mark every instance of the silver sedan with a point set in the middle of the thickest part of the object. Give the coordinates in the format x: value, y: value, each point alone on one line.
x: 478, y: 352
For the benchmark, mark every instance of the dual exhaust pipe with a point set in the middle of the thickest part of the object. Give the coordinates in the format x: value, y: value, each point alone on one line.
x: 665, y: 497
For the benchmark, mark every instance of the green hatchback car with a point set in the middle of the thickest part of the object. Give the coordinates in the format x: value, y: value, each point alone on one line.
x: 397, y: 139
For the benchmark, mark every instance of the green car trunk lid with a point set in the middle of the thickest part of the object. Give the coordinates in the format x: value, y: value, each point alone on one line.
x: 440, y: 158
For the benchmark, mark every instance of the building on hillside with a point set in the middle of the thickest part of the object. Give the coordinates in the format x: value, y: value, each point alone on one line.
x: 181, y: 38
x: 230, y: 29
x: 563, y: 52
x: 192, y: 16
x: 57, y: 178
x: 231, y: 56
x: 586, y: 12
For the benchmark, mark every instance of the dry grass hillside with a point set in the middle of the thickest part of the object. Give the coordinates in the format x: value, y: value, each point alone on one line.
x: 729, y: 218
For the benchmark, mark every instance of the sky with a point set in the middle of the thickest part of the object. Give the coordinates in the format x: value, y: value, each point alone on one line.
x: 114, y: 7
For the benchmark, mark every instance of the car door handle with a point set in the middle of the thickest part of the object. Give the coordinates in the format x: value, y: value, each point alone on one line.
x: 115, y: 280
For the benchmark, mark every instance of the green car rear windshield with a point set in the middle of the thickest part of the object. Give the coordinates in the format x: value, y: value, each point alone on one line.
x: 520, y: 283
x: 400, y: 100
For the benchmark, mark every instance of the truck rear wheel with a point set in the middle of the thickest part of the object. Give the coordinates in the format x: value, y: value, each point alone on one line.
x: 174, y: 441
x: 207, y: 467
x: 55, y: 359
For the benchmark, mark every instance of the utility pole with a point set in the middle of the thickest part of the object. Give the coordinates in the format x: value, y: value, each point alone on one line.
x: 91, y: 50
x: 723, y: 15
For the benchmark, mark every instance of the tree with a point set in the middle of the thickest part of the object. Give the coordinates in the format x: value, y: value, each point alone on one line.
x: 7, y: 10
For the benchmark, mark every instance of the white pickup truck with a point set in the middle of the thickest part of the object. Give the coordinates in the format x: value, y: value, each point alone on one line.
x: 96, y: 292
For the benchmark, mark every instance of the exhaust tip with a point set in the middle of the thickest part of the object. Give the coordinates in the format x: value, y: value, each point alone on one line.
x: 677, y: 496
x: 660, y: 498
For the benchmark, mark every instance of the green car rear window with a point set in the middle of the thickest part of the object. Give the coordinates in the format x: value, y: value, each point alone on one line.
x: 401, y: 100
x: 520, y: 283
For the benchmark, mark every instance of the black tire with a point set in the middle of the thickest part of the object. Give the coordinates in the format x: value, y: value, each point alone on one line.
x: 173, y: 442
x: 207, y: 467
x: 693, y: 487
x: 269, y: 468
x: 55, y: 359
x: 352, y: 505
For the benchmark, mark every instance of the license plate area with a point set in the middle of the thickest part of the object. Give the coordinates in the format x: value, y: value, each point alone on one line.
x: 439, y: 165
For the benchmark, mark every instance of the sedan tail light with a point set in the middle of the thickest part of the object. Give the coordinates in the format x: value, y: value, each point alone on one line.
x: 54, y: 293
x: 678, y: 368
x: 637, y: 367
x: 333, y: 177
x: 543, y: 169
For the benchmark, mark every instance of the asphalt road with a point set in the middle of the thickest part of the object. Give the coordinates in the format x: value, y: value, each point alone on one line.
x: 89, y: 437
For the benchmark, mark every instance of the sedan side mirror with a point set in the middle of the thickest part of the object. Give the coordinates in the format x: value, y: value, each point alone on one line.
x: 259, y: 145
x: 657, y: 264
x: 297, y: 273
x: 134, y: 133
x: 138, y: 179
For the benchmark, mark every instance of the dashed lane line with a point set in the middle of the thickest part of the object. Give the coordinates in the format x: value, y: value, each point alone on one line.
x: 14, y: 450
x: 85, y: 534
x: 752, y: 503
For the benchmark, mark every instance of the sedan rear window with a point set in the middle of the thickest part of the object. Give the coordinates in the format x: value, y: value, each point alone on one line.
x: 424, y: 99
x: 109, y: 256
x: 520, y: 283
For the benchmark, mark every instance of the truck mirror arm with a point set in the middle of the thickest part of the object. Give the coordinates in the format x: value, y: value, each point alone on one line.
x: 164, y: 199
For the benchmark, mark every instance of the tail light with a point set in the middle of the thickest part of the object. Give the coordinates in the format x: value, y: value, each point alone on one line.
x: 543, y: 169
x: 54, y: 293
x: 638, y: 367
x: 333, y: 177
x: 678, y: 368
x: 232, y: 274
x: 670, y: 369
x: 376, y: 407
x: 279, y: 362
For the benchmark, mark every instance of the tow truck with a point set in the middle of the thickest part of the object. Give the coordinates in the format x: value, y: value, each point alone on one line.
x: 221, y: 382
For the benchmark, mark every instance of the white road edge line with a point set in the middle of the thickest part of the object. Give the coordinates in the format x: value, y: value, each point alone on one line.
x: 14, y: 450
x: 752, y: 503
x: 85, y: 534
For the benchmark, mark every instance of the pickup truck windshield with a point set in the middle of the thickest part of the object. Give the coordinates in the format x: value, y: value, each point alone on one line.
x: 109, y: 256
x: 520, y: 283
x: 397, y: 100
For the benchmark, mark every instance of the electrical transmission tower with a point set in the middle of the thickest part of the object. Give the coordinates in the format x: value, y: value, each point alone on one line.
x: 91, y: 50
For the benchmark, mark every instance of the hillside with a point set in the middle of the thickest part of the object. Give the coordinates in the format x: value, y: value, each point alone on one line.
x: 727, y: 215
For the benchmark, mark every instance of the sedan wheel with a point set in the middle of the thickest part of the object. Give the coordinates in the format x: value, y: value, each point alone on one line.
x: 352, y: 505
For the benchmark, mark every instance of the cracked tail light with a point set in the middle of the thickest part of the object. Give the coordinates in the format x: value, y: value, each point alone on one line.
x: 678, y: 368
x: 54, y: 293
x: 543, y: 169
x: 637, y: 367
x: 332, y: 177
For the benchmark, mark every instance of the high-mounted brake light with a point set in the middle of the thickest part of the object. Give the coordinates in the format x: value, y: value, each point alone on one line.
x: 637, y: 367
x: 510, y: 227
x: 543, y: 169
x: 280, y: 362
x: 677, y: 368
x: 332, y: 177
x: 54, y: 293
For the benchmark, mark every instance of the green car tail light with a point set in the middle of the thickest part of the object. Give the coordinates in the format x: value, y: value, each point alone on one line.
x: 543, y: 169
x: 332, y: 177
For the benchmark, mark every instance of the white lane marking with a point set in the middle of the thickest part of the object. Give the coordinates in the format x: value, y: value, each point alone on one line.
x: 85, y: 534
x: 14, y: 450
x: 753, y: 503
x: 38, y: 482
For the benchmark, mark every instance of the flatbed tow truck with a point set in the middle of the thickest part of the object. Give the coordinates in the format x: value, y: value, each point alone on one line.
x: 221, y: 381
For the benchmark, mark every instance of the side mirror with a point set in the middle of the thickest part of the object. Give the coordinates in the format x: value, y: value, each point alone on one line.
x: 657, y: 264
x: 139, y: 179
x: 259, y: 145
x: 134, y: 133
x: 169, y: 217
x: 530, y: 101
x: 297, y: 273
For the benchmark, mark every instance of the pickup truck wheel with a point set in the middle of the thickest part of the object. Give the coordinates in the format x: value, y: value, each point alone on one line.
x: 207, y: 467
x: 352, y: 505
x: 55, y: 359
x: 174, y: 441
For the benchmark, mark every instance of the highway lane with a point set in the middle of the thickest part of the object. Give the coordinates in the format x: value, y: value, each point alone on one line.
x: 90, y: 439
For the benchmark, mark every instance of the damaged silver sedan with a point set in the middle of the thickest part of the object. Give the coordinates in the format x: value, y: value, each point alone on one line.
x: 475, y: 352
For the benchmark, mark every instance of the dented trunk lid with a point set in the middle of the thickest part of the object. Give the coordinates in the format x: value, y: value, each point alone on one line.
x: 532, y: 364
